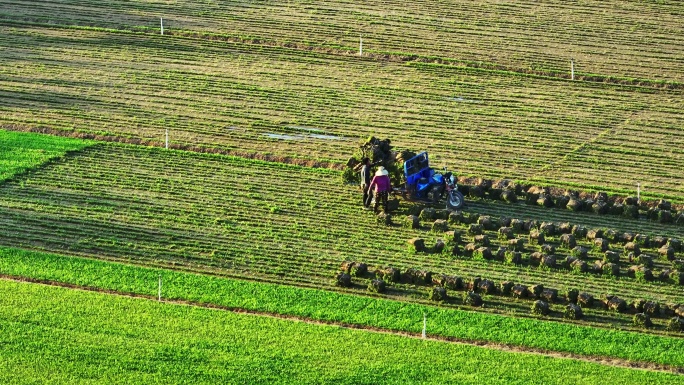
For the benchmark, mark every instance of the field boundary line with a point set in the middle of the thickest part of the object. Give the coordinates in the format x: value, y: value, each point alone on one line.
x: 578, y: 149
x: 602, y: 360
x: 581, y: 147
x: 311, y: 163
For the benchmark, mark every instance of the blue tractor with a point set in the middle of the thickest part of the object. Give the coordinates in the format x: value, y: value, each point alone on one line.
x: 423, y: 183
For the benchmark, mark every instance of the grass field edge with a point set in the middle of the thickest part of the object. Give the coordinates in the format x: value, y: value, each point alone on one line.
x: 67, y: 146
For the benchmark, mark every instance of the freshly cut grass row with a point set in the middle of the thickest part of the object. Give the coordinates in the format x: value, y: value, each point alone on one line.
x: 591, y: 220
x: 324, y: 306
x: 285, y: 102
x: 234, y: 216
x: 23, y: 151
x: 527, y: 35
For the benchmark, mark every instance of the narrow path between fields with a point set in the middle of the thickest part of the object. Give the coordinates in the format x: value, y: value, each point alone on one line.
x: 611, y: 361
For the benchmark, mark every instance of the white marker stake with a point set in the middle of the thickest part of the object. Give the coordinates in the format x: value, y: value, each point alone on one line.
x: 161, y: 19
x: 424, y: 325
x: 159, y: 289
x: 167, y: 138
x: 360, y: 45
x: 572, y: 69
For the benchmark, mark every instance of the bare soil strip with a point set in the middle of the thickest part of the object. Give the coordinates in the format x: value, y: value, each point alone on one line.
x: 611, y: 361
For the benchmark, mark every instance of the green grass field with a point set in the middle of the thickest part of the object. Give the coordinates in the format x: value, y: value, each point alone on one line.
x: 22, y: 151
x: 325, y: 306
x: 231, y: 216
x: 483, y: 86
x: 66, y: 336
x: 526, y: 35
x: 249, y: 218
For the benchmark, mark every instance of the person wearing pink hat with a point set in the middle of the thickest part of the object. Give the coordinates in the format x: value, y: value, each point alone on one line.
x: 383, y: 185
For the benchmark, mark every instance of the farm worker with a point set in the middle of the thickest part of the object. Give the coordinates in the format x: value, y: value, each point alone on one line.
x: 365, y: 182
x: 383, y: 185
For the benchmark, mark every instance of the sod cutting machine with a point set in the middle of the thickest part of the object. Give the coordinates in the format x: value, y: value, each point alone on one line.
x: 423, y: 183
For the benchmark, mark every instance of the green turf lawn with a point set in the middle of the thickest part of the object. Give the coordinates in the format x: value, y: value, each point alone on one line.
x: 328, y: 306
x: 21, y: 151
x: 61, y: 335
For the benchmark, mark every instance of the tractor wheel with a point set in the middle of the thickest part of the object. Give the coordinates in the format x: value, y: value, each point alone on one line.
x: 454, y: 200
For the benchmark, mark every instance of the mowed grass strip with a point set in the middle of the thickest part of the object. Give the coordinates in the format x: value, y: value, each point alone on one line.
x: 329, y: 306
x: 290, y: 103
x: 587, y: 219
x: 22, y: 151
x: 526, y: 35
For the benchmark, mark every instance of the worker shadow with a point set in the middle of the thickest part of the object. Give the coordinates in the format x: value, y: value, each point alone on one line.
x: 32, y: 99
